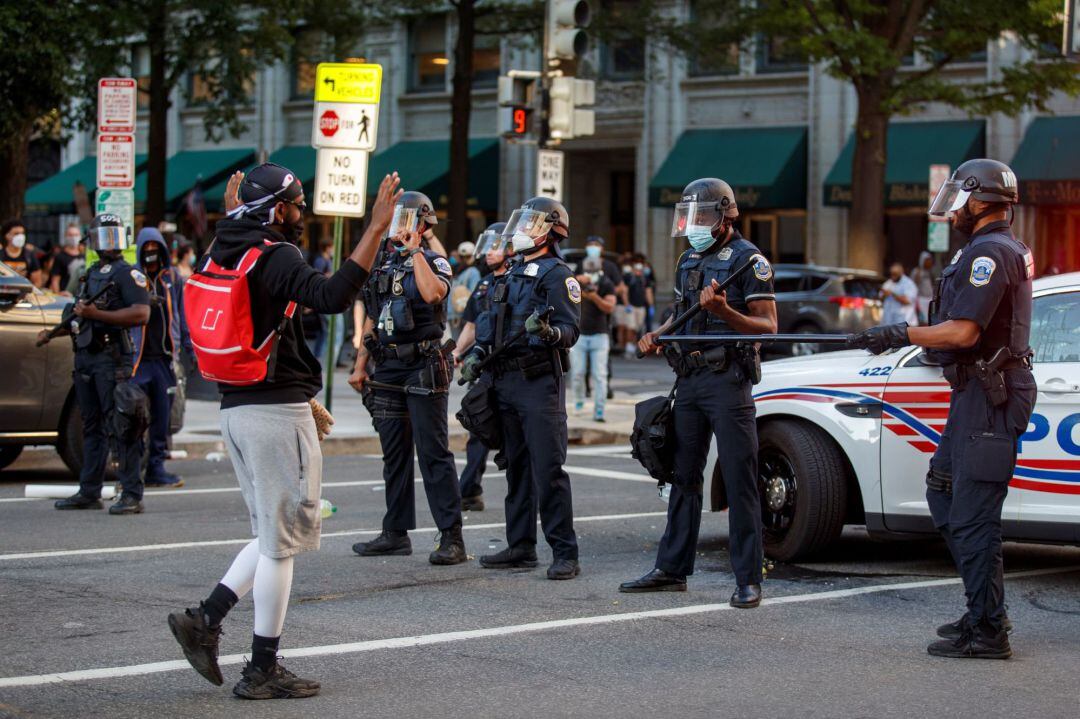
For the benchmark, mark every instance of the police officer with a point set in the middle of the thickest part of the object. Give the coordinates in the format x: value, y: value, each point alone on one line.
x: 104, y: 356
x: 490, y: 258
x: 406, y: 318
x: 529, y: 387
x: 713, y: 390
x: 980, y: 324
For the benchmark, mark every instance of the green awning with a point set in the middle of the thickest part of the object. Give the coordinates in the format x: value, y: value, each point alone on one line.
x: 424, y: 165
x: 53, y: 195
x: 185, y: 168
x: 766, y: 166
x: 911, y: 148
x: 1047, y: 163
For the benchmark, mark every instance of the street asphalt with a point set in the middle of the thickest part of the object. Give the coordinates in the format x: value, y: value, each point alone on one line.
x: 85, y: 596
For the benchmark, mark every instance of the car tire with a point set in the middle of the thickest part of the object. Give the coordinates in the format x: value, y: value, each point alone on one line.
x: 802, y: 512
x: 801, y: 349
x: 9, y: 453
x: 70, y: 445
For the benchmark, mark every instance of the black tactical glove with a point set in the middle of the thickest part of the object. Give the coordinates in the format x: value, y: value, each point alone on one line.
x: 539, y: 326
x: 470, y: 366
x: 879, y: 339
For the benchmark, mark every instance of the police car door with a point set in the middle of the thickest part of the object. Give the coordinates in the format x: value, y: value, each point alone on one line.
x: 1047, y: 477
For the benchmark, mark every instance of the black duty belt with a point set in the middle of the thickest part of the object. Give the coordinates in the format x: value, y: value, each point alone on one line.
x: 714, y: 359
x: 409, y: 351
x: 958, y: 375
x: 531, y: 365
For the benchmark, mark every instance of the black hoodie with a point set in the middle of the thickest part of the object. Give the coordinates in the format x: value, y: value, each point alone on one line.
x: 281, y: 275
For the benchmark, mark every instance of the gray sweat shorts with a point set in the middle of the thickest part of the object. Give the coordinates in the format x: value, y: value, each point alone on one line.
x: 275, y: 452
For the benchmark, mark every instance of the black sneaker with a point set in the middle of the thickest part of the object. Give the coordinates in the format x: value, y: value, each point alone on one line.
x: 277, y: 683
x: 972, y: 644
x: 521, y: 557
x: 127, y: 505
x: 388, y: 544
x: 199, y: 642
x: 564, y: 569
x: 450, y: 548
x: 78, y: 501
x: 472, y: 504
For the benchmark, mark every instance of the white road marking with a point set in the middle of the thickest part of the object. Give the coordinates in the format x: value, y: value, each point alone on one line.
x: 155, y: 493
x: 326, y: 535
x: 587, y: 472
x: 492, y: 632
x: 599, y: 449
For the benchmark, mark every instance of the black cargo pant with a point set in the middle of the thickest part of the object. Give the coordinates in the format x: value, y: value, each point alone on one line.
x: 534, y: 435
x: 95, y: 381
x: 709, y: 404
x: 978, y: 452
x: 476, y: 455
x: 407, y: 421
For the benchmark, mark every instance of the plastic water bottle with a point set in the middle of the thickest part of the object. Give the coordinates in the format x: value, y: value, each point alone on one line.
x: 327, y: 508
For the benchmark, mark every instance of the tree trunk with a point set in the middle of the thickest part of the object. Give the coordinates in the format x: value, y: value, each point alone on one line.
x: 14, y: 160
x: 866, y: 230
x: 159, y: 115
x: 460, y: 112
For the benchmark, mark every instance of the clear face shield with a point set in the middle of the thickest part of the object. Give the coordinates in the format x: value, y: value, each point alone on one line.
x: 488, y: 241
x: 950, y: 198
x: 406, y: 219
x: 108, y: 239
x: 525, y: 227
x: 691, y: 216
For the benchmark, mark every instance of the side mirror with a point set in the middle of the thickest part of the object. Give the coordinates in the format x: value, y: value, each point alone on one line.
x: 12, y: 290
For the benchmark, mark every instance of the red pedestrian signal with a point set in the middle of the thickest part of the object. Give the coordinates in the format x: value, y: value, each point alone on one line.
x: 517, y: 122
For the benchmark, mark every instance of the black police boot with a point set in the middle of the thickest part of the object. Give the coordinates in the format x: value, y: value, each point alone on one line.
x: 522, y: 556
x: 199, y: 642
x: 564, y: 569
x: 655, y: 581
x: 472, y: 504
x: 954, y: 630
x: 450, y: 548
x: 391, y: 543
x: 78, y: 501
x: 126, y: 505
x: 276, y: 683
x: 973, y: 643
x: 746, y: 596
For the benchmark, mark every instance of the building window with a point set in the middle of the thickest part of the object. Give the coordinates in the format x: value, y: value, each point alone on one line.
x: 427, y: 54
x: 486, y: 61
x: 203, y: 89
x: 710, y: 58
x: 140, y: 70
x: 779, y: 54
x: 622, y: 56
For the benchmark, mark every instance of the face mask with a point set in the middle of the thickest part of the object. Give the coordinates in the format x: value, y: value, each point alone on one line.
x: 151, y: 258
x: 293, y: 232
x: 522, y: 242
x: 71, y: 241
x: 963, y: 221
x: 639, y: 267
x: 592, y: 251
x: 191, y: 261
x: 18, y: 241
x: 700, y: 237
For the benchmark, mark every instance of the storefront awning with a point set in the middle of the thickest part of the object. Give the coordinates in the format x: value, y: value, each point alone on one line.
x: 766, y: 166
x: 1047, y: 163
x: 53, y: 195
x: 424, y: 165
x: 911, y: 148
x: 185, y: 168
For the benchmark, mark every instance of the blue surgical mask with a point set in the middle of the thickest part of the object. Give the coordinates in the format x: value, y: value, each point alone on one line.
x: 592, y: 251
x: 700, y: 237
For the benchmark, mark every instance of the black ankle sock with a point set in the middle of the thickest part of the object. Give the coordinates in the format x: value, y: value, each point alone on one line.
x: 218, y: 604
x: 264, y: 652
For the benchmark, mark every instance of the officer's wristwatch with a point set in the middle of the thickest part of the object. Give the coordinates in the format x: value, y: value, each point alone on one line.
x: 415, y: 251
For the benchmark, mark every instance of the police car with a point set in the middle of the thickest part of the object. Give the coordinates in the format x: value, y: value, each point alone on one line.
x: 846, y: 438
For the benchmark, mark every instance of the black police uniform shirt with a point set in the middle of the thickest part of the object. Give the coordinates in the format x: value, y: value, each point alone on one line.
x: 129, y: 289
x: 394, y: 300
x: 23, y: 263
x: 695, y: 270
x: 988, y: 282
x: 531, y: 285
x: 480, y: 300
x: 593, y: 320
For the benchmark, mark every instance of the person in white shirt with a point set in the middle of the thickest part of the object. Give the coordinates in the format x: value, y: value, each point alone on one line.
x: 901, y: 297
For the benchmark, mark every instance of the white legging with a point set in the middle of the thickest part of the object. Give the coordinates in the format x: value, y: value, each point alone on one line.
x: 272, y: 580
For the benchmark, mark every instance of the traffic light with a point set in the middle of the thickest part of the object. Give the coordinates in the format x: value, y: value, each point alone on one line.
x: 566, y: 23
x: 566, y: 117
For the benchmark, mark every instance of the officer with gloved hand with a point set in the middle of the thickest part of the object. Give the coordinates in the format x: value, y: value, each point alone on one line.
x: 980, y: 325
x: 104, y: 356
x: 406, y: 317
x: 529, y: 386
x: 713, y: 390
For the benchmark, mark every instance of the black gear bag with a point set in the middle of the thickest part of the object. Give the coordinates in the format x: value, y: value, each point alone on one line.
x: 652, y: 439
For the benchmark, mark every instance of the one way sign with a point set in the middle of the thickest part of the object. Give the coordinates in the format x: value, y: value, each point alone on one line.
x: 549, y: 174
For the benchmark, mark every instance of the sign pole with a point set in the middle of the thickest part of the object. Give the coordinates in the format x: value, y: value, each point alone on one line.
x: 331, y: 340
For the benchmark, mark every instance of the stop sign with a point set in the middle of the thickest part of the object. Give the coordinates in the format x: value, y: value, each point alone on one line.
x: 328, y: 123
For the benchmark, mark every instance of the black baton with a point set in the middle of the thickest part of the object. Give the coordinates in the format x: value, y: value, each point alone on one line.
x: 513, y: 339
x: 764, y: 339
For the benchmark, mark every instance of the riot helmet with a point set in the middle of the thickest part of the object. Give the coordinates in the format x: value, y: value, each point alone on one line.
x: 107, y: 234
x: 704, y: 204
x: 490, y: 239
x: 412, y: 208
x: 537, y: 223
x: 982, y: 179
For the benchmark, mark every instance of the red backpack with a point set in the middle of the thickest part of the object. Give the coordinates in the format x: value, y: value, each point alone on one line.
x: 217, y: 307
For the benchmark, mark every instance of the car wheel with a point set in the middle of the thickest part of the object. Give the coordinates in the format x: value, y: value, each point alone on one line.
x: 802, y: 349
x: 70, y: 446
x: 803, y: 492
x: 9, y: 453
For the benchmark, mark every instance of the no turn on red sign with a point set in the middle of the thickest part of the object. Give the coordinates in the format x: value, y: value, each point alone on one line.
x: 340, y: 182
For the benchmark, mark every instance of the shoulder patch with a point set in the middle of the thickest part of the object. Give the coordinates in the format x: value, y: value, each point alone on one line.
x: 981, y: 271
x: 531, y: 269
x: 762, y: 268
x: 443, y: 266
x: 573, y: 290
x: 724, y: 254
x: 140, y: 278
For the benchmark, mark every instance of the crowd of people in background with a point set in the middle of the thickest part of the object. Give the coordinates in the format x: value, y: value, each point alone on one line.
x: 906, y: 298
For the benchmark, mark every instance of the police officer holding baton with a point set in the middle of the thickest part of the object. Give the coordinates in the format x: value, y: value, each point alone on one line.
x: 104, y: 356
x: 980, y: 325
x: 713, y: 389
